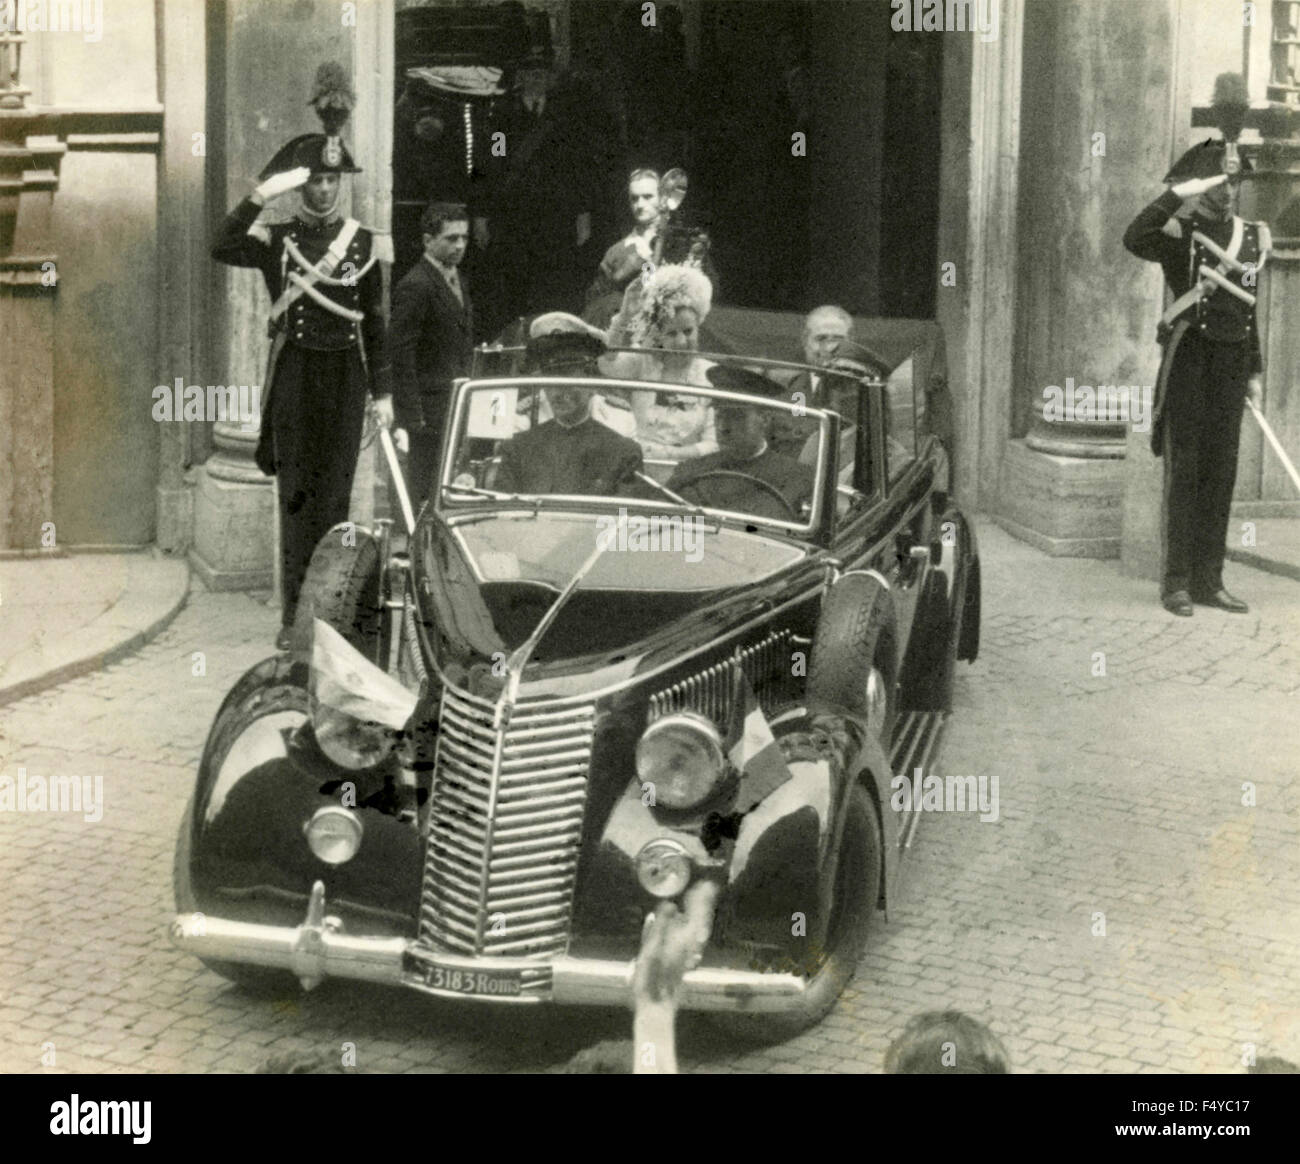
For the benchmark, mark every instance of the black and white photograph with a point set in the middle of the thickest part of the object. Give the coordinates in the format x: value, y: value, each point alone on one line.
x: 615, y: 537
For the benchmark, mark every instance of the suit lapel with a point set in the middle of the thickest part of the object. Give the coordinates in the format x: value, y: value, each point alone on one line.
x: 460, y: 310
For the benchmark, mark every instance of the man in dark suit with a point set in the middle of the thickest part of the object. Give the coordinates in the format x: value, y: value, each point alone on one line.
x: 1210, y: 365
x: 571, y: 453
x: 541, y: 194
x: 431, y: 339
x: 716, y: 479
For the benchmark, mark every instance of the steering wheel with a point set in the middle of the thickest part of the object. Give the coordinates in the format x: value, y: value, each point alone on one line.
x: 747, y: 477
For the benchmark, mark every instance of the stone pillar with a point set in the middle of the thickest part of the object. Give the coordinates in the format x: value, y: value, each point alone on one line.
x: 271, y: 52
x: 234, y: 514
x: 1096, y: 108
x: 980, y: 173
x: 184, y: 271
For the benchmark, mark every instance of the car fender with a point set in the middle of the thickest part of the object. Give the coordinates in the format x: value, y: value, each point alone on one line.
x: 260, y: 780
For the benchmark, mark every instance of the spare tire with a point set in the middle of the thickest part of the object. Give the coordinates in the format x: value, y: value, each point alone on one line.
x: 342, y: 589
x: 854, y: 662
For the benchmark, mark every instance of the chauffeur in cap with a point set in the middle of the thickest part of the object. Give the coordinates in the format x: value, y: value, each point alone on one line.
x: 328, y: 337
x: 1211, y: 363
x: 726, y: 479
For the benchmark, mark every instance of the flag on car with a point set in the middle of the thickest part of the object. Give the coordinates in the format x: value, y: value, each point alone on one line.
x: 753, y: 749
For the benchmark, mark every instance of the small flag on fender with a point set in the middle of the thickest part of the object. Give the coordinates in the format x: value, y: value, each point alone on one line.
x: 753, y: 749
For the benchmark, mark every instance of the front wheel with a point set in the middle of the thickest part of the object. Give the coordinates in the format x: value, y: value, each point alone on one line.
x: 857, y: 892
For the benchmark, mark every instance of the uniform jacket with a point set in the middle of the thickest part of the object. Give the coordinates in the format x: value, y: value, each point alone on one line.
x: 1220, y: 316
x: 432, y: 337
x: 243, y: 242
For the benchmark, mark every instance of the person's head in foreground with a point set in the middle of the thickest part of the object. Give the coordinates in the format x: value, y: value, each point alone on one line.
x: 946, y: 1042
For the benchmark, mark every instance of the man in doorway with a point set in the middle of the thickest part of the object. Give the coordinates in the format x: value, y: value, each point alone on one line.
x: 328, y: 336
x: 542, y: 191
x: 626, y: 259
x: 1210, y: 365
x: 432, y: 336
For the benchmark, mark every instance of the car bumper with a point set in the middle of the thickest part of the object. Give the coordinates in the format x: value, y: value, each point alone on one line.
x: 318, y: 949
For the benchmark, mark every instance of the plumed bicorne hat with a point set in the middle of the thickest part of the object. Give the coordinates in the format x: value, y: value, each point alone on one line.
x: 1203, y: 160
x: 322, y: 153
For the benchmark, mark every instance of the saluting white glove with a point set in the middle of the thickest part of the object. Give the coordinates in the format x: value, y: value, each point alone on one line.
x: 278, y: 184
x: 1194, y: 186
x: 1255, y: 391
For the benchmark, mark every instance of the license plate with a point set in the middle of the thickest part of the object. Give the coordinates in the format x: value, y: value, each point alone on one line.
x: 479, y: 983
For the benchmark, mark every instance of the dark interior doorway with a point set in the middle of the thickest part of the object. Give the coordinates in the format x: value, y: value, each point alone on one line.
x: 854, y: 220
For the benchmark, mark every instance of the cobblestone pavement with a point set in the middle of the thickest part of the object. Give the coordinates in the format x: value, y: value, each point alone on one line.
x: 1125, y: 912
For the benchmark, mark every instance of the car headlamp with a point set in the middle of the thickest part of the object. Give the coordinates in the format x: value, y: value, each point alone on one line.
x: 357, y: 710
x: 663, y: 868
x: 681, y: 755
x: 334, y: 834
x: 349, y: 741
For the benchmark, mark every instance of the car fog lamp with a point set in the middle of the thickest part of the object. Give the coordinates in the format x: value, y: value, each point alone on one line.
x: 663, y: 868
x: 681, y: 756
x: 334, y: 834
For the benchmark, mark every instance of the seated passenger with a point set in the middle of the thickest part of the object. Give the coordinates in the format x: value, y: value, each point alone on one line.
x: 743, y: 448
x: 665, y: 312
x: 610, y: 410
x: 570, y: 453
x: 792, y: 434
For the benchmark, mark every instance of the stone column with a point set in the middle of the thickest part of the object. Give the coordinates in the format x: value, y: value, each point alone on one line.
x: 987, y: 283
x: 183, y: 246
x: 271, y: 53
x: 1095, y: 109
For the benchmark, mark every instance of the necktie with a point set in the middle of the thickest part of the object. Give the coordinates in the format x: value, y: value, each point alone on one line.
x: 453, y: 281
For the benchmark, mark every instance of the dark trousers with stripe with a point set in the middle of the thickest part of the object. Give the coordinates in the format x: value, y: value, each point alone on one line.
x: 1204, y: 395
x: 318, y: 405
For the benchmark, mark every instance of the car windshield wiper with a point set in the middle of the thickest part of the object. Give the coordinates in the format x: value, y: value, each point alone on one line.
x: 697, y: 510
x: 492, y: 494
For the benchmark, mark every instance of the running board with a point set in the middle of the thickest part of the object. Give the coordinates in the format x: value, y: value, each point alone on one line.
x: 916, y: 743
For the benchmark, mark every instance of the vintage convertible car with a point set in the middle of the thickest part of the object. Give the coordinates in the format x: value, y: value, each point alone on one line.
x: 557, y: 707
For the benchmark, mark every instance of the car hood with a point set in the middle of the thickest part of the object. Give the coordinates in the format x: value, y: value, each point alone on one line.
x: 483, y: 585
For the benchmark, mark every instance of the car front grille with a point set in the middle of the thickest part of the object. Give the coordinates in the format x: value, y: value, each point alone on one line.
x: 711, y: 691
x: 505, y: 823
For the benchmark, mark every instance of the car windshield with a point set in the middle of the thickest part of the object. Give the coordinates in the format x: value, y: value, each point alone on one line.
x: 698, y: 449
